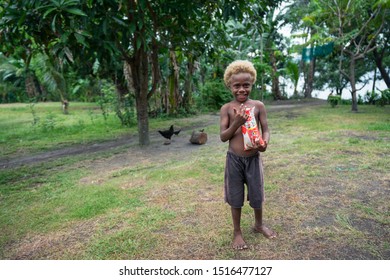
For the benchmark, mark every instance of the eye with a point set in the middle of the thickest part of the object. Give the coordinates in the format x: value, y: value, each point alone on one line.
x: 238, y: 86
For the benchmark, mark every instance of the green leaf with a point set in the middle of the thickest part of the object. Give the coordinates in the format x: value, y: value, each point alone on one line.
x: 80, y: 39
x: 75, y: 11
x: 140, y: 24
x: 68, y: 54
x: 22, y: 19
x: 53, y: 24
x: 48, y: 11
x: 121, y: 22
x: 138, y: 43
x: 90, y: 3
x: 84, y: 33
x: 308, y: 20
x: 142, y: 4
x: 132, y: 27
x: 64, y: 37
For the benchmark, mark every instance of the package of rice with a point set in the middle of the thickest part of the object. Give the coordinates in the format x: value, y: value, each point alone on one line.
x: 250, y: 131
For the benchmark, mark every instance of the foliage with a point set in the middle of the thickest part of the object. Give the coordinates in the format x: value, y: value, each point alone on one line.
x: 47, y: 47
x: 355, y: 26
x: 12, y: 80
x: 50, y: 77
x: 334, y: 100
x: 213, y: 95
x: 292, y: 71
x: 375, y: 98
x: 124, y: 108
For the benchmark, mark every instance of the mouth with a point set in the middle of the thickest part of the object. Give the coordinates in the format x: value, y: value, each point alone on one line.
x: 242, y: 96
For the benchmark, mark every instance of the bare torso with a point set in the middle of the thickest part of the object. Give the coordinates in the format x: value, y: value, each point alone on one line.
x: 231, y: 126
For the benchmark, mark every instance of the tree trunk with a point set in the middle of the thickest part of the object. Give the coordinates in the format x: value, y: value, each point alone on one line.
x: 378, y: 61
x: 353, y: 83
x: 310, y: 78
x: 143, y: 61
x: 187, y: 99
x: 30, y: 85
x: 65, y: 107
x: 137, y: 75
x: 174, y: 95
x: 311, y: 70
x: 143, y: 120
x: 165, y: 97
x: 275, y: 78
x: 374, y: 81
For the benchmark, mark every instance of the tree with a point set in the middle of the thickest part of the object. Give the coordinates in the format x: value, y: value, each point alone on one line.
x: 138, y: 30
x: 300, y: 16
x: 292, y: 71
x: 131, y: 31
x: 355, y: 25
x: 135, y: 33
x: 381, y: 53
x: 329, y: 77
x: 30, y: 27
x: 273, y: 46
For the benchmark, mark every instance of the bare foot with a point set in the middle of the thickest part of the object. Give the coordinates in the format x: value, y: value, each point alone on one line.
x: 238, y: 241
x: 268, y: 233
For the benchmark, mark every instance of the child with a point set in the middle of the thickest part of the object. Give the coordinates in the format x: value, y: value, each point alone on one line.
x: 243, y: 166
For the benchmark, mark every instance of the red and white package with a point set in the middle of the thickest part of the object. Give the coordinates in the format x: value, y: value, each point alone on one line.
x: 250, y: 131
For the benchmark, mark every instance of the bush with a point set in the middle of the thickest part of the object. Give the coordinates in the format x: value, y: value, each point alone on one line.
x: 334, y: 100
x: 375, y: 98
x: 371, y: 97
x: 213, y: 95
x: 385, y: 98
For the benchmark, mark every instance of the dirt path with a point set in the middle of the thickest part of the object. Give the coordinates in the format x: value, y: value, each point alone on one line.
x: 156, y: 140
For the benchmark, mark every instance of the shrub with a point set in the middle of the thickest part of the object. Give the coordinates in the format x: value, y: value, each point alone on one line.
x: 334, y: 100
x: 213, y: 95
x: 371, y: 97
x: 385, y: 98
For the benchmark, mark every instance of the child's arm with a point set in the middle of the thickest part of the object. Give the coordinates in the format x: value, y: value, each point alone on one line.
x: 264, y: 127
x: 227, y: 131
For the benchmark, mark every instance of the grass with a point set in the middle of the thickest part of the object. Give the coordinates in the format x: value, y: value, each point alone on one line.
x: 41, y: 126
x: 326, y: 173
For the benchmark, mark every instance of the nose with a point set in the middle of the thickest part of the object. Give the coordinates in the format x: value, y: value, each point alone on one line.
x: 242, y: 88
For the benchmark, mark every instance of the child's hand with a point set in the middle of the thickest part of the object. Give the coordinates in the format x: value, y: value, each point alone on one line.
x: 262, y: 148
x: 239, y: 116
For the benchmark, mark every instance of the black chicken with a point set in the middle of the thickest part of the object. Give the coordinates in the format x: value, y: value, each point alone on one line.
x: 169, y: 133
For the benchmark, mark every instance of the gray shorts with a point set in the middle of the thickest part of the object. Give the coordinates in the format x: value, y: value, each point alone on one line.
x: 244, y: 170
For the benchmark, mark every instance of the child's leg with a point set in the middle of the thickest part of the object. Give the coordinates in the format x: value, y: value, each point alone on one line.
x: 238, y: 240
x: 260, y: 227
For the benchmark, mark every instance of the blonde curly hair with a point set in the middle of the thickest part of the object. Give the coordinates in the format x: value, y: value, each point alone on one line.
x: 239, y: 66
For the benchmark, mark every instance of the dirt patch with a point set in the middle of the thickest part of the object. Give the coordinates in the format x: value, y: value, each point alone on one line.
x: 178, y: 144
x: 64, y: 152
x: 54, y: 245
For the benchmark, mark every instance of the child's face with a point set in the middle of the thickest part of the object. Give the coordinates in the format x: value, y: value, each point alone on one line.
x: 241, y: 86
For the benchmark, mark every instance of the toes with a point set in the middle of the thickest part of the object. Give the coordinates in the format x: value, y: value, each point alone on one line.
x: 268, y: 233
